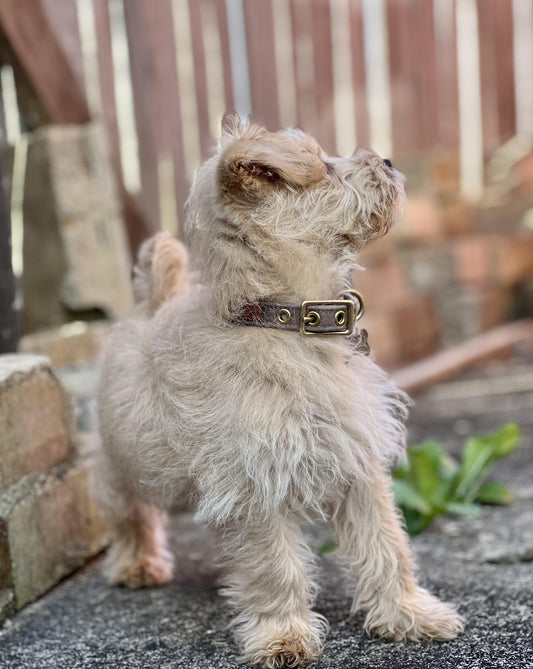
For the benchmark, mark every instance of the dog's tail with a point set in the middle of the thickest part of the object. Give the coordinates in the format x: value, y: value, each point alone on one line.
x: 161, y: 271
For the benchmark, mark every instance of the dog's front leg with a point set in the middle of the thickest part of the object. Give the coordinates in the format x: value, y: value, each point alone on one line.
x: 269, y: 586
x: 372, y: 538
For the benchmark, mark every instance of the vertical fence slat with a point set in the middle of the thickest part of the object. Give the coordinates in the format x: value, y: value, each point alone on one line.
x: 222, y: 18
x: 262, y: 63
x: 106, y: 73
x: 488, y: 78
x: 143, y: 85
x: 63, y: 16
x: 447, y: 96
x: 306, y: 99
x: 357, y: 46
x: 405, y: 110
x: 200, y: 77
x: 136, y: 225
x: 422, y: 18
x: 497, y: 94
x: 323, y: 67
x: 166, y: 107
x: 503, y: 46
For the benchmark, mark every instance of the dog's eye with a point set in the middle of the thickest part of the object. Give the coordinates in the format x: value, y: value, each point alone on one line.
x: 330, y: 169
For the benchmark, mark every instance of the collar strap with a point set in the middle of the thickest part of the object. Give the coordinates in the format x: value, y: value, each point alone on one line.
x: 311, y: 317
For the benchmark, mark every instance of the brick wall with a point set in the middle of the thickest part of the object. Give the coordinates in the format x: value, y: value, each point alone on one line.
x: 450, y: 269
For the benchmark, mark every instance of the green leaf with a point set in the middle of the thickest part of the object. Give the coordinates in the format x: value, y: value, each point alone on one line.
x: 462, y: 509
x: 407, y: 496
x: 424, y: 461
x: 430, y: 482
x: 415, y: 522
x: 402, y: 470
x: 494, y: 493
x: 505, y: 439
x: 478, y: 455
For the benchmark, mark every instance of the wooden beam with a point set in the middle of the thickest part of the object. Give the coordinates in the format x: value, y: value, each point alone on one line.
x: 447, y: 364
x: 33, y: 40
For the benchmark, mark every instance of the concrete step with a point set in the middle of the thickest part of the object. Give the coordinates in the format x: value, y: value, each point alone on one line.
x: 483, y: 565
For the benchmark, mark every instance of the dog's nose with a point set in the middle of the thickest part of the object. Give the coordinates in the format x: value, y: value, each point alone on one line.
x: 387, y: 162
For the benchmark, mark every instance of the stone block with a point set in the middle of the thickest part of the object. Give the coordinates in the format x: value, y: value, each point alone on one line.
x: 67, y: 345
x: 429, y: 269
x: 75, y: 254
x: 459, y: 314
x: 7, y: 607
x: 50, y: 527
x: 35, y: 418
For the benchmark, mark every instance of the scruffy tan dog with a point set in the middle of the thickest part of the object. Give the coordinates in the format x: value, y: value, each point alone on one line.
x: 217, y: 389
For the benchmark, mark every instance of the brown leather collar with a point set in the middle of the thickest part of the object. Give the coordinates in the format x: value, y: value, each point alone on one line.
x: 312, y: 317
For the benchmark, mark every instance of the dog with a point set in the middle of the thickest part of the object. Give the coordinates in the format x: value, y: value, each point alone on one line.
x: 239, y: 383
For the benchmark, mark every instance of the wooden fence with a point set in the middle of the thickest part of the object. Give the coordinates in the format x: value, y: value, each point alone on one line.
x: 403, y: 76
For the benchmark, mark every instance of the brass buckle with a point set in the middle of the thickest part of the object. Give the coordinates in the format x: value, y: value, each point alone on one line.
x: 310, y: 318
x: 359, y: 298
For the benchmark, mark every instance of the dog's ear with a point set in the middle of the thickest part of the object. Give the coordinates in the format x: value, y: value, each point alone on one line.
x: 231, y: 125
x: 258, y: 161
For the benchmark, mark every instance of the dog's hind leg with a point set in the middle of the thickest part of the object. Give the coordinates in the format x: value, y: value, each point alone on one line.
x: 373, y: 540
x: 138, y: 556
x: 269, y: 586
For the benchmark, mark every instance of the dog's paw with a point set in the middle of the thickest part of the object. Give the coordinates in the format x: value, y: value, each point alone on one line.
x: 142, y: 572
x: 420, y: 617
x: 283, y: 652
x: 272, y: 645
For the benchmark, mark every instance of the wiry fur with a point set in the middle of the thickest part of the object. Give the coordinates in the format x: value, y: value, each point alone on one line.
x: 263, y: 428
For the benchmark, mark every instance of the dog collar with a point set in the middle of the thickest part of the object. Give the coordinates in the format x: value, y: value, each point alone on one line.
x: 311, y: 317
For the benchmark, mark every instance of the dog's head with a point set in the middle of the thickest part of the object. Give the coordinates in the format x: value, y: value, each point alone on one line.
x: 273, y: 201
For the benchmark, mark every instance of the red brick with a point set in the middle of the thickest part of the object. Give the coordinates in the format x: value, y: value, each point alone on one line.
x: 416, y: 328
x: 423, y: 220
x: 495, y: 307
x: 458, y: 217
x: 382, y: 338
x: 378, y: 250
x: 513, y: 259
x: 473, y: 259
x: 383, y: 284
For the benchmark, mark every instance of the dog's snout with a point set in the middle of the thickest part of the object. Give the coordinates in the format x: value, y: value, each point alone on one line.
x: 387, y: 162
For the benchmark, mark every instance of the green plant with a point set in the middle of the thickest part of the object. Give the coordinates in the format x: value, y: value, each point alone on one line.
x: 430, y: 482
